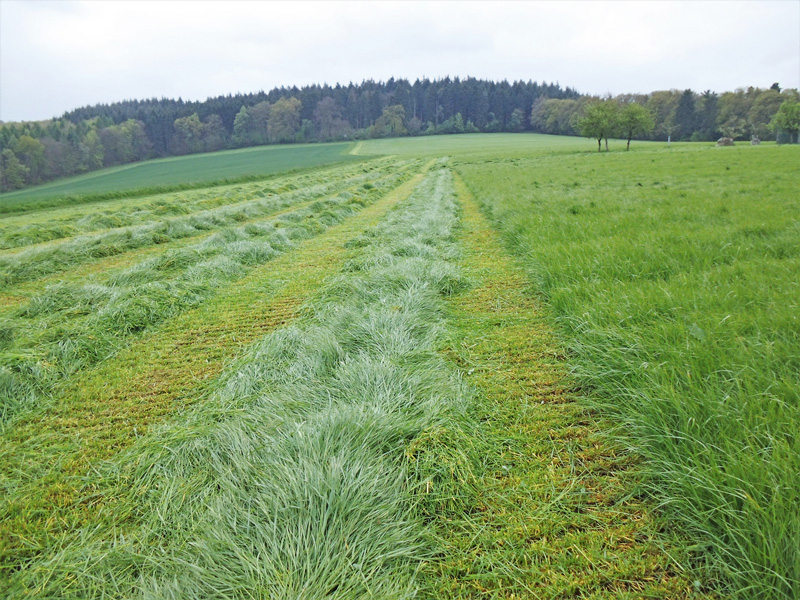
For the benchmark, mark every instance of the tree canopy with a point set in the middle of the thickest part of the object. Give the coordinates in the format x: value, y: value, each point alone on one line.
x: 788, y: 119
x: 633, y: 120
x: 599, y: 121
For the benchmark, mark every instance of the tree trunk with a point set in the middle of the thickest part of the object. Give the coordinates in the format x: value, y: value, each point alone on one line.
x: 606, y: 144
x: 599, y: 147
x: 628, y: 147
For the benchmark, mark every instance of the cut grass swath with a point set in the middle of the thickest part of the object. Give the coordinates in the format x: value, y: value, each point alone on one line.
x: 69, y: 220
x: 293, y: 479
x: 141, y: 229
x: 48, y: 460
x: 70, y: 326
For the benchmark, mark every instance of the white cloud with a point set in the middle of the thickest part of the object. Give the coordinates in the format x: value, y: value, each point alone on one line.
x: 55, y: 56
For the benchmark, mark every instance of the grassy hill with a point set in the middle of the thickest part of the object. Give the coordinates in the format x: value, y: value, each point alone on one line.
x: 181, y: 172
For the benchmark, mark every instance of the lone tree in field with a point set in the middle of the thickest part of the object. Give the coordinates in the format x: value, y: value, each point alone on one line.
x: 635, y: 119
x: 599, y: 121
x: 788, y: 119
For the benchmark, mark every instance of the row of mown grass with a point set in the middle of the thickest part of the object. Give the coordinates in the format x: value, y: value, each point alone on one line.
x: 49, y: 461
x: 176, y: 174
x: 67, y: 220
x: 672, y: 277
x: 294, y: 193
x: 68, y: 326
x: 295, y: 477
x: 141, y: 228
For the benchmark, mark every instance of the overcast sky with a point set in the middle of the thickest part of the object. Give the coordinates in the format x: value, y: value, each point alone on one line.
x: 56, y: 56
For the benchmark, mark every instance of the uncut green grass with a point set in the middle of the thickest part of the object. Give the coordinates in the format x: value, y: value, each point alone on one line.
x: 487, y: 146
x: 310, y: 469
x: 68, y: 326
x: 673, y: 278
x: 178, y: 172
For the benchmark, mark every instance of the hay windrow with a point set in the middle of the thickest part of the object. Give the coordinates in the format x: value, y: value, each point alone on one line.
x: 69, y: 326
x: 310, y: 469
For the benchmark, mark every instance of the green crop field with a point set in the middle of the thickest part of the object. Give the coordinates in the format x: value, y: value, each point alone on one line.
x: 476, y: 366
x: 494, y: 145
x: 178, y: 173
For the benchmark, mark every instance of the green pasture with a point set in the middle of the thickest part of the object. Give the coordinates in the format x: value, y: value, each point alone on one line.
x: 547, y: 372
x: 672, y: 278
x: 489, y: 146
x: 179, y: 173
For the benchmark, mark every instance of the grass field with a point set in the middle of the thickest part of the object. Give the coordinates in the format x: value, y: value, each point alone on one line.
x: 673, y: 279
x: 494, y: 145
x: 495, y: 366
x: 181, y: 172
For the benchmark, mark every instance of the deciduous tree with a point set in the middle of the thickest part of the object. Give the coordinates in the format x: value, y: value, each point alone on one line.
x: 328, y: 120
x: 30, y: 153
x: 12, y: 171
x: 516, y: 121
x: 259, y: 123
x: 599, y: 121
x: 764, y: 108
x: 733, y: 110
x: 241, y: 128
x: 91, y: 151
x: 635, y: 120
x: 284, y: 120
x: 662, y: 106
x: 188, y: 137
x: 788, y: 119
x: 215, y: 136
x: 391, y: 122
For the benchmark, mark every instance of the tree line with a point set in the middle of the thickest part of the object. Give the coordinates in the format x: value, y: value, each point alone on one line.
x: 767, y: 114
x: 106, y: 135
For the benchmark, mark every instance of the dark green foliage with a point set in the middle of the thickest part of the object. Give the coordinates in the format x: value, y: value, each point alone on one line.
x: 89, y: 138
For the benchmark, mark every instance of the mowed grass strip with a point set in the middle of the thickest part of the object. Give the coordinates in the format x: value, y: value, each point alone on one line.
x: 68, y: 219
x: 47, y: 461
x: 123, y: 258
x: 292, y: 478
x: 70, y: 326
x: 12, y: 296
x: 149, y: 228
x: 554, y: 515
